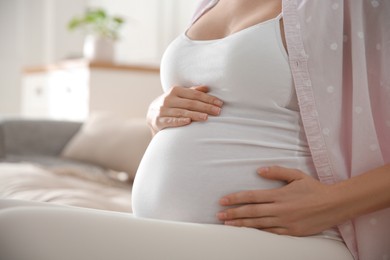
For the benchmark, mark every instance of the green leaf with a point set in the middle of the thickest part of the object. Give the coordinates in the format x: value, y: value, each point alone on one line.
x: 74, y: 23
x: 97, y: 21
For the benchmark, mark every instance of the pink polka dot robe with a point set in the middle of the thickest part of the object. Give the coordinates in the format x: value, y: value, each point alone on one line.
x: 339, y: 54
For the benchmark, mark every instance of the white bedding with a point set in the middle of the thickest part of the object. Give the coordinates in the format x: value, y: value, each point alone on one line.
x: 63, y: 185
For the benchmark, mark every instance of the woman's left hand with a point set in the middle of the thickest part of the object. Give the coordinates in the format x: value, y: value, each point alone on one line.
x: 302, y: 207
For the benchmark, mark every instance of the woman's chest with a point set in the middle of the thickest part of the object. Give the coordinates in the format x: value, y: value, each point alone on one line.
x: 247, y: 68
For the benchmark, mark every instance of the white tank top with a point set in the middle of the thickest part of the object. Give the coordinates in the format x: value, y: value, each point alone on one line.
x: 186, y: 170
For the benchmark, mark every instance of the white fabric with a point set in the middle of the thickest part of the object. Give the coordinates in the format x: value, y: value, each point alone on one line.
x: 65, y: 186
x: 31, y: 231
x: 186, y: 170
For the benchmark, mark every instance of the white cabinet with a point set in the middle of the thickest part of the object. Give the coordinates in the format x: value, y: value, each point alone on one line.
x: 58, y: 94
x: 68, y: 93
x: 74, y: 89
x: 35, y: 95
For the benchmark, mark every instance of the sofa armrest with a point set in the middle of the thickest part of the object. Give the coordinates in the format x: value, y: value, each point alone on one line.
x: 36, y: 137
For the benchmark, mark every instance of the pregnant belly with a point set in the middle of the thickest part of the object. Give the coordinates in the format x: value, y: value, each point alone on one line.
x: 185, y: 171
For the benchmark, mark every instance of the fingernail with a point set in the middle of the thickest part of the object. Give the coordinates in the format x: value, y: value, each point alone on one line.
x: 216, y: 110
x: 230, y: 223
x: 221, y: 215
x: 203, y: 116
x: 224, y: 201
x: 218, y: 102
x: 263, y: 170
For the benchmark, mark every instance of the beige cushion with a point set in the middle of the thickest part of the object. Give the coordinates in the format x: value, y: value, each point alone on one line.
x: 110, y: 141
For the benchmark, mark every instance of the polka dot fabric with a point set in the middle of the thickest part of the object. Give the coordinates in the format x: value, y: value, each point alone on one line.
x: 348, y: 52
x: 339, y: 54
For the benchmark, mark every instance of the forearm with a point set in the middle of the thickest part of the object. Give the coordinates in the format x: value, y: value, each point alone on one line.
x: 363, y: 194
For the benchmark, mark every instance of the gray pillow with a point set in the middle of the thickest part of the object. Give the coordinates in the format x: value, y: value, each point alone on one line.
x: 2, y: 145
x: 31, y: 137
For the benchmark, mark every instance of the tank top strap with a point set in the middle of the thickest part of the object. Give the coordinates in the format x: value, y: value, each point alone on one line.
x: 279, y: 16
x: 202, y: 8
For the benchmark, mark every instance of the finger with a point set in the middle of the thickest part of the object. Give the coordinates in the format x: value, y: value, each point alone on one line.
x: 267, y: 225
x: 197, y: 106
x: 165, y: 122
x: 247, y: 197
x: 179, y: 112
x: 204, y: 89
x: 193, y: 94
x: 281, y: 173
x: 259, y: 223
x: 194, y: 100
x: 277, y: 230
x: 247, y: 211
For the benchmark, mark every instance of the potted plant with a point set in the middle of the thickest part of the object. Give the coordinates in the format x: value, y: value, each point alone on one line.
x: 102, y: 30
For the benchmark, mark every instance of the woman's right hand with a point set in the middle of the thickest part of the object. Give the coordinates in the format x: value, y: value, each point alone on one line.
x: 180, y: 106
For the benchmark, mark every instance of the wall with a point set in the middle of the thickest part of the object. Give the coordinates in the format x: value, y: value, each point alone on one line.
x: 10, y: 57
x: 60, y: 42
x: 36, y: 34
x: 174, y: 19
x: 151, y: 25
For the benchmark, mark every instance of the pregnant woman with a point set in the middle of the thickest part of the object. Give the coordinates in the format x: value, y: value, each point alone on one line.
x: 274, y: 121
x: 186, y: 170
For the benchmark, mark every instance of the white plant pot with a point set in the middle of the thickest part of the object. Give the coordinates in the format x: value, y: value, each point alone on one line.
x: 98, y: 49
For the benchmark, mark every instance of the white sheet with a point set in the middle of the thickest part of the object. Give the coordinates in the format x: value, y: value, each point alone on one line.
x: 26, y: 181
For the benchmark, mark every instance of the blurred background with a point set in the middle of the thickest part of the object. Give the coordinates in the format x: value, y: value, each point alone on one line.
x: 43, y: 70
